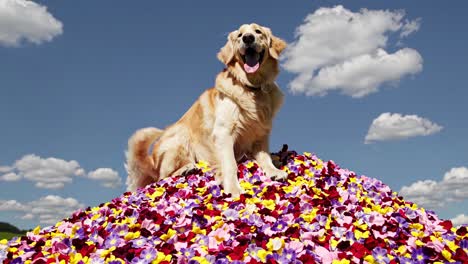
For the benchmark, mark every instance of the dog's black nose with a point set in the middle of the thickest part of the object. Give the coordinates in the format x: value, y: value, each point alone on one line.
x: 248, y: 38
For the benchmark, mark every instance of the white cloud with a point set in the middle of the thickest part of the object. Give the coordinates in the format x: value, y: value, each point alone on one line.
x: 12, y: 205
x: 48, y: 173
x: 51, y: 208
x: 425, y: 193
x: 11, y: 176
x: 48, y: 209
x: 28, y: 216
x: 26, y: 20
x: 460, y: 219
x: 395, y: 126
x: 430, y: 193
x: 410, y: 27
x: 361, y: 75
x: 336, y: 49
x: 456, y: 181
x: 4, y: 169
x: 54, y: 173
x: 108, y: 177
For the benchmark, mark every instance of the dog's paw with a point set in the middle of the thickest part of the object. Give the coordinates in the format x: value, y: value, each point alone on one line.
x: 218, y: 177
x: 234, y: 189
x: 278, y: 175
x: 190, y: 169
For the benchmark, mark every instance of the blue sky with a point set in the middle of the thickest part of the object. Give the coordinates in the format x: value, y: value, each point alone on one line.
x: 78, y: 78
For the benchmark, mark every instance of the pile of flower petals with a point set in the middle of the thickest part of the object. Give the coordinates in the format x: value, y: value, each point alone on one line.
x: 319, y: 214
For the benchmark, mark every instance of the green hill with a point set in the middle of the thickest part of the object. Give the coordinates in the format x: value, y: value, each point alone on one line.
x: 7, y: 231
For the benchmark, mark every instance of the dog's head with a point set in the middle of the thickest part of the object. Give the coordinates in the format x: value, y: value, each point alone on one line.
x: 252, y: 52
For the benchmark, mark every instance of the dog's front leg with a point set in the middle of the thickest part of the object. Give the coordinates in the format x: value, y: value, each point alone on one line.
x: 261, y: 154
x: 227, y: 169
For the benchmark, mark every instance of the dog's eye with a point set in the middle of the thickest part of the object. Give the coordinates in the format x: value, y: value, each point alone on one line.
x: 240, y: 35
x: 258, y: 31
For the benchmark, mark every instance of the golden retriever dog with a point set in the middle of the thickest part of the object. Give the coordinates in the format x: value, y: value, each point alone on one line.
x: 227, y: 122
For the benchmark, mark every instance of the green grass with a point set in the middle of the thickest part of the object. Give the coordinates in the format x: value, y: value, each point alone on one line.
x: 8, y: 235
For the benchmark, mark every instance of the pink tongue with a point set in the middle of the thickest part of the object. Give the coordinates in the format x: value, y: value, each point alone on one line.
x: 252, y: 69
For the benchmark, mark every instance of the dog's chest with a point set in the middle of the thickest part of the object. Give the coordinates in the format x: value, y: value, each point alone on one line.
x: 254, y: 118
x: 248, y: 113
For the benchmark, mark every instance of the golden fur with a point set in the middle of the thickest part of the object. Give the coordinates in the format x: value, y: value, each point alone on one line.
x: 226, y: 122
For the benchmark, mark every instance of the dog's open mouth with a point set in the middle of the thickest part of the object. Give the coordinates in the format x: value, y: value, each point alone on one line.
x: 252, y: 60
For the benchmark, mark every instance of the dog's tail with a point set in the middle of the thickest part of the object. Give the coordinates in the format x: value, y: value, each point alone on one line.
x: 139, y: 163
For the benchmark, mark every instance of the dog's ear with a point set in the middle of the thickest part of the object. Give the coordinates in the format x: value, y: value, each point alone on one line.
x: 226, y: 54
x: 277, y: 45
